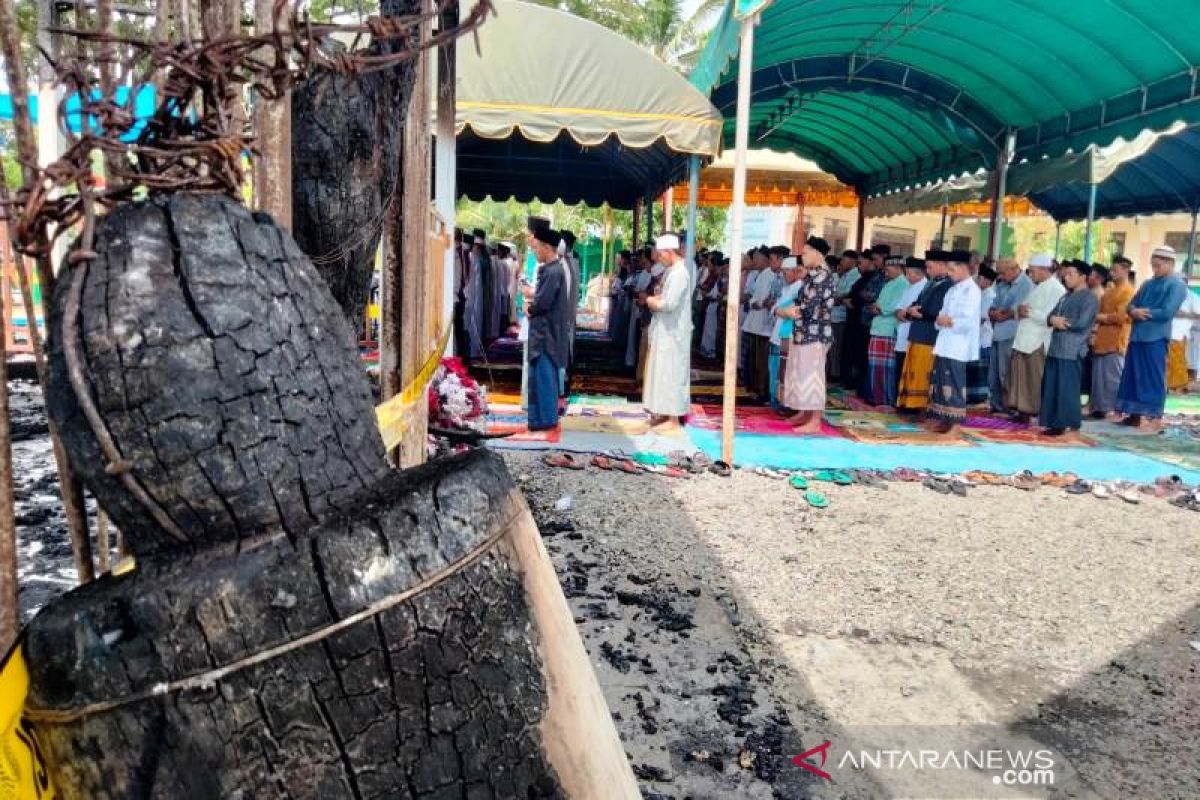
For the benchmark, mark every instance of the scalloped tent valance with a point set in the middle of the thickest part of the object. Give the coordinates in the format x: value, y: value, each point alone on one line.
x: 555, y: 100
x: 890, y: 94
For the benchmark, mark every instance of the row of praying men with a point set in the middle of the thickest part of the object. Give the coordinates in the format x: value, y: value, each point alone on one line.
x: 932, y: 336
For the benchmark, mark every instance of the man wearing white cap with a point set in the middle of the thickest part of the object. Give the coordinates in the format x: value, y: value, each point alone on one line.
x: 781, y: 333
x: 1143, y: 389
x: 666, y: 392
x: 1032, y: 341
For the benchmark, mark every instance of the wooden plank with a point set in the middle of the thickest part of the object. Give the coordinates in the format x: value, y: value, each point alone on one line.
x: 414, y: 300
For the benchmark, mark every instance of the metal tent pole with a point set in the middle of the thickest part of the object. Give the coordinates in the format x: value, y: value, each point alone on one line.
x: 1191, y: 247
x: 693, y: 197
x: 860, y: 224
x: 650, y: 235
x: 942, y: 235
x: 1087, y: 231
x: 741, y: 141
x: 1006, y: 154
x: 1057, y: 236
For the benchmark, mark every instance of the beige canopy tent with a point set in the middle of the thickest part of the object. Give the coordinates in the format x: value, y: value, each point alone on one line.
x: 556, y: 107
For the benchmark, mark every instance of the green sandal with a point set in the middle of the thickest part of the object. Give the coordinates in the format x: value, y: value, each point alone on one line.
x: 798, y: 481
x: 833, y: 476
x: 816, y: 499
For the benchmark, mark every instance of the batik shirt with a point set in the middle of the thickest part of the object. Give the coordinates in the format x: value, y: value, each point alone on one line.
x: 815, y: 301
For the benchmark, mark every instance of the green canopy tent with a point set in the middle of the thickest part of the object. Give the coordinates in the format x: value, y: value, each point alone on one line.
x: 892, y: 95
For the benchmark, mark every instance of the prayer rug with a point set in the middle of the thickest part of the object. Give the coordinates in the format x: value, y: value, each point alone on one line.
x: 1173, y: 446
x: 993, y: 423
x: 513, y: 420
x: 1027, y: 436
x: 750, y: 420
x: 916, y: 436
x: 1188, y: 404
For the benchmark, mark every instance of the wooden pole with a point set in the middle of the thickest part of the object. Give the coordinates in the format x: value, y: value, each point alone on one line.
x: 102, y: 541
x: 273, y: 138
x: 741, y: 142
x: 27, y: 148
x: 417, y: 166
x: 693, y: 198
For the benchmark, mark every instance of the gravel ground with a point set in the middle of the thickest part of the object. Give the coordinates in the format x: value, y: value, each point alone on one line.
x: 733, y: 628
x: 895, y: 618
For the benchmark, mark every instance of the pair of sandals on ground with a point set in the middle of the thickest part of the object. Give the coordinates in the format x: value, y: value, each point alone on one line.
x: 676, y: 464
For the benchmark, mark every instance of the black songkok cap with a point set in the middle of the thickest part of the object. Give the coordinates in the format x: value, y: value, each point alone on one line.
x: 959, y: 256
x: 987, y: 272
x: 818, y: 244
x: 937, y: 255
x: 894, y: 261
x: 912, y: 262
x: 781, y: 251
x: 547, y: 235
x: 479, y: 234
x: 569, y: 238
x: 881, y: 249
x: 850, y: 254
x: 532, y: 223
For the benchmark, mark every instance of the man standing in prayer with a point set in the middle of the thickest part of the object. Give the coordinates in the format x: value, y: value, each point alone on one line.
x: 881, y: 352
x: 1143, y: 389
x: 922, y: 334
x: 473, y: 305
x: 616, y: 296
x: 638, y: 282
x: 1033, y: 339
x: 666, y: 393
x: 711, y: 305
x: 812, y: 333
x: 1011, y: 288
x: 1071, y: 320
x: 1112, y: 339
x: 1178, y: 379
x: 548, y: 348
x: 858, y: 318
x: 504, y: 270
x: 914, y: 273
x: 781, y: 331
x: 760, y: 322
x: 977, y: 371
x: 847, y: 276
x: 957, y: 346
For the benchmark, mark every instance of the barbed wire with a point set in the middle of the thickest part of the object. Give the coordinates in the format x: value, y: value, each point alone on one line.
x: 196, y: 135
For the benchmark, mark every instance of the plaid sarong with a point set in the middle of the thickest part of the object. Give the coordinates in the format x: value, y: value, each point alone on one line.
x: 881, y: 371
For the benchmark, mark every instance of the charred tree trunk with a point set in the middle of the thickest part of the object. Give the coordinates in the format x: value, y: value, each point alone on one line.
x: 346, y: 137
x: 224, y: 371
x: 309, y: 623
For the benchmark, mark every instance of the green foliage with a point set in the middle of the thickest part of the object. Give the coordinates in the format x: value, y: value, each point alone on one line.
x: 1071, y: 243
x: 710, y: 224
x: 505, y: 220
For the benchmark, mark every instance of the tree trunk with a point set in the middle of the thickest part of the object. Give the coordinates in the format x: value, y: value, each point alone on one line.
x: 223, y: 370
x: 346, y: 134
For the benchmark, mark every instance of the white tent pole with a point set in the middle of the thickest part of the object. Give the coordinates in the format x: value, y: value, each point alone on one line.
x: 693, y: 192
x: 1188, y: 268
x: 738, y: 212
x: 1087, y: 231
x: 1006, y: 154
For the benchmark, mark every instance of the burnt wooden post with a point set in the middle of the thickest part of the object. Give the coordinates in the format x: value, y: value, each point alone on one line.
x: 303, y: 621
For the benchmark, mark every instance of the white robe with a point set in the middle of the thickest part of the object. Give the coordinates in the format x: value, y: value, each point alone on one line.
x: 667, y: 389
x: 960, y: 341
x: 1034, y: 331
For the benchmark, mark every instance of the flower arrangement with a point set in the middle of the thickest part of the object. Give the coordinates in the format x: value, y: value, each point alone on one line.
x: 456, y: 402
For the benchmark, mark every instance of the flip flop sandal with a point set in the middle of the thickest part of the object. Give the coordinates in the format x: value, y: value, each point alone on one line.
x: 675, y: 472
x: 1101, y: 491
x: 816, y: 499
x: 798, y: 482
x: 562, y: 460
x: 700, y: 462
x: 602, y: 462
x: 866, y: 478
x: 628, y: 467
x: 938, y: 485
x: 840, y: 478
x: 721, y: 468
x: 1079, y: 487
x: 908, y: 475
x: 958, y: 487
x: 1130, y: 496
x: 652, y: 459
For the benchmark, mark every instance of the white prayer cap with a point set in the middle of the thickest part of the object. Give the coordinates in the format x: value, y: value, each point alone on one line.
x: 791, y: 263
x: 1164, y: 251
x: 1044, y: 260
x: 668, y: 241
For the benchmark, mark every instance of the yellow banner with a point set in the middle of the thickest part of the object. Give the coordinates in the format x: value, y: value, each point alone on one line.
x: 23, y: 772
x: 393, y: 415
